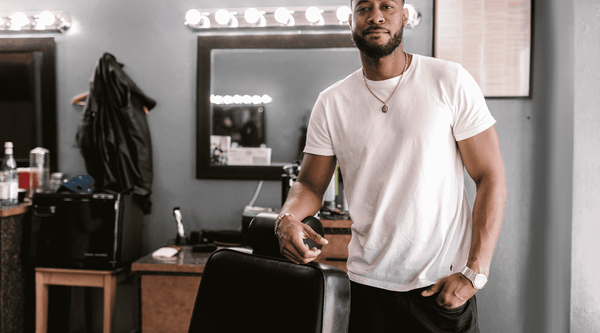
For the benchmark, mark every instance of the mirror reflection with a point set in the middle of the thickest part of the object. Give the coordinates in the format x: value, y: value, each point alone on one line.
x: 293, y: 78
x: 238, y: 136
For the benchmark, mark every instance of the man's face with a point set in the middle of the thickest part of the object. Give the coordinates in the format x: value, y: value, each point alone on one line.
x: 377, y: 26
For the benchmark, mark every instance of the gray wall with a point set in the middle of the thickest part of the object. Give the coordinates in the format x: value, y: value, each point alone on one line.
x: 585, y: 290
x: 548, y: 258
x: 549, y: 147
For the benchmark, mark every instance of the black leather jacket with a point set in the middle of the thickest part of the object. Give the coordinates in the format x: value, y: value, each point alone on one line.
x: 113, y: 136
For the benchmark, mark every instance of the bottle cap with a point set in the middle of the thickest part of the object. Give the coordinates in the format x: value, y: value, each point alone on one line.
x: 8, y: 144
x: 39, y: 151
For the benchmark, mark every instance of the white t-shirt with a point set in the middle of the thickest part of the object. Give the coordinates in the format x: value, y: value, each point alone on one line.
x: 403, y: 174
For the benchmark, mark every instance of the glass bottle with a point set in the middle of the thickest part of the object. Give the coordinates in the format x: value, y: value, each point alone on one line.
x: 9, y: 178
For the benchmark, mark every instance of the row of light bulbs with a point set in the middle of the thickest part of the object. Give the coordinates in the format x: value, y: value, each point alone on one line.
x: 267, y: 17
x: 35, y: 21
x: 278, y: 17
x: 240, y: 99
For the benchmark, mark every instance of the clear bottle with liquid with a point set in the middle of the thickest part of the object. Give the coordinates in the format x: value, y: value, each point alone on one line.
x: 9, y: 178
x: 39, y: 178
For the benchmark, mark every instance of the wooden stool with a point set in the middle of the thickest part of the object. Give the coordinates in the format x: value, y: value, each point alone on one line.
x: 77, y: 278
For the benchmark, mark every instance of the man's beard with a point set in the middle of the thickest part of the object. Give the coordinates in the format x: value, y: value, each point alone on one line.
x: 376, y: 52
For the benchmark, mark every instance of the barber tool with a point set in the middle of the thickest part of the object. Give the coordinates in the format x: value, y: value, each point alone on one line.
x: 82, y: 184
x: 180, y: 238
x: 317, y: 226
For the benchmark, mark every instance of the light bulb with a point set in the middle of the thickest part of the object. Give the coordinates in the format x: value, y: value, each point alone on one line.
x: 216, y: 99
x: 193, y: 16
x: 227, y: 99
x: 313, y: 15
x: 17, y: 20
x: 414, y: 16
x: 237, y: 99
x: 266, y: 99
x: 47, y: 18
x: 222, y: 17
x: 343, y: 14
x: 256, y: 99
x: 247, y: 99
x: 284, y: 16
x: 252, y: 15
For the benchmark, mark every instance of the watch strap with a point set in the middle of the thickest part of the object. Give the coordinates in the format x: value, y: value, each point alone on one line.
x: 472, y: 276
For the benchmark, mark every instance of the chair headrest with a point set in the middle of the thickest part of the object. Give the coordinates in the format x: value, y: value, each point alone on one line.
x: 262, y: 238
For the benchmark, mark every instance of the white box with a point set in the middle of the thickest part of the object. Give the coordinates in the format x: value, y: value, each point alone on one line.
x: 249, y: 156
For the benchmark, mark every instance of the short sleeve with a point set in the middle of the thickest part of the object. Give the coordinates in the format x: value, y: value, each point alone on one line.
x: 318, y: 138
x: 471, y: 114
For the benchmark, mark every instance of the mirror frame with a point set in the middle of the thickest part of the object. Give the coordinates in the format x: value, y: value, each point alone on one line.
x: 204, y: 170
x: 45, y: 45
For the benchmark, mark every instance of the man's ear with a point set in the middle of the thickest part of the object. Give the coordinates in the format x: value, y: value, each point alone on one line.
x: 405, y: 14
x: 350, y: 21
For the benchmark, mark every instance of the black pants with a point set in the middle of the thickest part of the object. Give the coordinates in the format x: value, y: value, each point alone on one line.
x: 378, y: 310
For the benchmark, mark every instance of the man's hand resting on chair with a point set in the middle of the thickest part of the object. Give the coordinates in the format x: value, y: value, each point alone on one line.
x: 291, y: 234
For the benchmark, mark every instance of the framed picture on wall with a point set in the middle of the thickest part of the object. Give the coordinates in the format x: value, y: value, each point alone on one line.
x: 491, y: 39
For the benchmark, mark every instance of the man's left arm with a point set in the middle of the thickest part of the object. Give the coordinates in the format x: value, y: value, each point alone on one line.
x: 483, y: 161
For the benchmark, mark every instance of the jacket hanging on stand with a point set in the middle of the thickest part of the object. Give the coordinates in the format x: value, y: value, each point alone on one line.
x: 113, y: 136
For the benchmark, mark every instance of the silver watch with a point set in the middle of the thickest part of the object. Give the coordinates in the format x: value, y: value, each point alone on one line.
x: 477, y: 280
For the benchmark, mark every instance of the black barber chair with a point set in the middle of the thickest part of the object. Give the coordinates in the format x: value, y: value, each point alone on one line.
x: 263, y: 292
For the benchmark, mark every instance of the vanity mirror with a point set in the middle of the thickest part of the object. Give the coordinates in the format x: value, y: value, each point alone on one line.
x: 290, y: 70
x: 28, y: 96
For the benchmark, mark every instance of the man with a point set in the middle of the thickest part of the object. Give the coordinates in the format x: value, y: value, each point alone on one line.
x: 403, y: 129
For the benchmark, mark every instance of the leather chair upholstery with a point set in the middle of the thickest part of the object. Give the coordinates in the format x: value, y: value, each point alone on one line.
x: 243, y: 292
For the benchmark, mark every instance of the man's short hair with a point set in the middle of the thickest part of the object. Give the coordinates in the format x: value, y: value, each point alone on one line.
x: 351, y: 1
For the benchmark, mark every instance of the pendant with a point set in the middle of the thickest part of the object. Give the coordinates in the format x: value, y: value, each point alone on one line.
x: 384, y: 108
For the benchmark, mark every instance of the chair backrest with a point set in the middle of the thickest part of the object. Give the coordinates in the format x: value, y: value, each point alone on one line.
x: 243, y: 292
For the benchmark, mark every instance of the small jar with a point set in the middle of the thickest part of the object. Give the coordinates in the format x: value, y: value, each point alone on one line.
x: 55, y: 181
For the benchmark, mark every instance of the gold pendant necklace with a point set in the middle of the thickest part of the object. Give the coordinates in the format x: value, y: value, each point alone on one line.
x: 385, y: 107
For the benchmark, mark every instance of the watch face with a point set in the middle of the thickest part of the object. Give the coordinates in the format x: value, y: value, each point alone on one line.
x: 480, y: 281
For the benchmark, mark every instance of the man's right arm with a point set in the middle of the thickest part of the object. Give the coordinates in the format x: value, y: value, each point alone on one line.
x: 304, y: 199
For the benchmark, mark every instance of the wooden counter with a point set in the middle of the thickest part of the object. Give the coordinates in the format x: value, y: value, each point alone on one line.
x: 169, y: 286
x: 168, y: 289
x: 185, y: 261
x: 15, y: 210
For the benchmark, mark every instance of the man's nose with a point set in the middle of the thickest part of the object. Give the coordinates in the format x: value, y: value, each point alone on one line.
x: 376, y: 17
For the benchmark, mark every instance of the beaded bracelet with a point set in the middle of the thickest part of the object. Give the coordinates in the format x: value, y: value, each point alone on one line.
x: 278, y: 221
